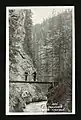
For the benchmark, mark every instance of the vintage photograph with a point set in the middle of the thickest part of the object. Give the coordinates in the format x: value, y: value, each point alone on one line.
x: 40, y: 60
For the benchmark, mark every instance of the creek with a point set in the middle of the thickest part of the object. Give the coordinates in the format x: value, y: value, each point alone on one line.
x: 36, y: 107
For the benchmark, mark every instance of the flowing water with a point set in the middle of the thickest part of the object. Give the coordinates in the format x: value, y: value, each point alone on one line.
x: 36, y: 107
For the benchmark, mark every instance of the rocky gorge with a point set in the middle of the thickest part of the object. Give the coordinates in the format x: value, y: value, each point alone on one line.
x: 45, y: 48
x: 19, y: 63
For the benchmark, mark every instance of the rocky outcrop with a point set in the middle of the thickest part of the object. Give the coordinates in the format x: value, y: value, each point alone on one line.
x: 19, y: 63
x: 23, y: 61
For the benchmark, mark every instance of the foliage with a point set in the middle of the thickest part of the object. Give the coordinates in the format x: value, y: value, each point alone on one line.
x: 53, y: 50
x: 28, y: 34
x: 20, y: 95
x: 16, y: 101
x: 19, y: 61
x: 49, y: 45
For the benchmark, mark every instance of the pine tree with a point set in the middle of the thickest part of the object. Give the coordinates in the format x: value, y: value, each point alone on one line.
x: 28, y: 29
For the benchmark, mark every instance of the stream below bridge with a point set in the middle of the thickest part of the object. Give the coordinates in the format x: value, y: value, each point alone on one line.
x: 36, y: 107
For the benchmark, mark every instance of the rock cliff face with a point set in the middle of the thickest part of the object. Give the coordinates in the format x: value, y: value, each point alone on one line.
x: 19, y: 63
x: 23, y: 61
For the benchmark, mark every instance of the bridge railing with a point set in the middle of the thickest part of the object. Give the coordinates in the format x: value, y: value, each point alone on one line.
x: 30, y: 82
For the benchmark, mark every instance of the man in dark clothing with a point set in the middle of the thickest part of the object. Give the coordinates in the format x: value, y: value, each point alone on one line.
x: 26, y: 75
x: 34, y: 76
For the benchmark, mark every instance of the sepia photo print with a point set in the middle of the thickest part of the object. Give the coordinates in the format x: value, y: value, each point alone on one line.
x: 40, y: 60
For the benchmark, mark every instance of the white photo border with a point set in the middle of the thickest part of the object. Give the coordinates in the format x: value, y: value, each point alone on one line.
x: 7, y: 62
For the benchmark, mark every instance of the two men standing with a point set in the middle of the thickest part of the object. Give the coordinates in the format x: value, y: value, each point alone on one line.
x: 34, y: 76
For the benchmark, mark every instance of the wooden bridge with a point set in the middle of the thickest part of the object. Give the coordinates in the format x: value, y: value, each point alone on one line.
x: 30, y: 82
